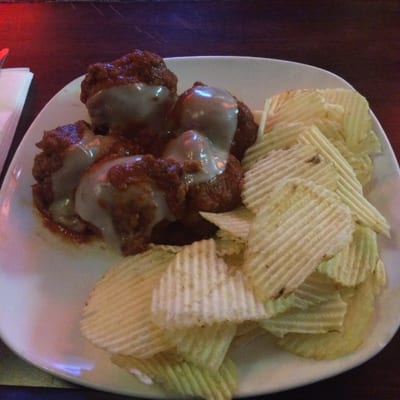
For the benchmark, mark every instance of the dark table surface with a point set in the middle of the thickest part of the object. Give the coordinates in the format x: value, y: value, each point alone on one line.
x: 358, y: 40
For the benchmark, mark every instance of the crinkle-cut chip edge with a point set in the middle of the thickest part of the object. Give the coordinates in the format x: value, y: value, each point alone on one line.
x: 204, y: 346
x: 282, y: 136
x: 357, y: 323
x: 324, y: 317
x: 236, y: 222
x: 169, y: 248
x: 188, y: 280
x: 182, y: 377
x: 301, y: 105
x: 232, y: 300
x: 316, y: 289
x: 363, y: 210
x: 228, y: 245
x: 261, y: 251
x: 357, y: 118
x: 247, y: 332
x: 116, y: 316
x: 299, y: 161
x: 380, y: 277
x: 351, y: 265
x: 327, y: 149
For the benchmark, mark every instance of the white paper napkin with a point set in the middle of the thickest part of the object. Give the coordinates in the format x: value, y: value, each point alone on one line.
x: 14, y: 86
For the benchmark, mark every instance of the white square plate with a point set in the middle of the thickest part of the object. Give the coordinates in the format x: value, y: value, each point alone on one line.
x: 45, y: 281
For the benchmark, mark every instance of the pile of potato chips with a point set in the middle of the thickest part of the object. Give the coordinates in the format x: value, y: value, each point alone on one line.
x: 298, y: 261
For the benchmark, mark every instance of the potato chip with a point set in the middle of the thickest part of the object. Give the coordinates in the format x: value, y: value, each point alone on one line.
x: 281, y: 304
x: 258, y: 117
x: 370, y: 145
x: 246, y: 327
x: 284, y: 135
x: 166, y: 247
x: 117, y: 315
x: 359, y: 314
x: 262, y: 118
x: 274, y: 103
x: 359, y: 136
x: 190, y: 277
x: 355, y: 261
x: 204, y: 346
x: 300, y: 225
x: 299, y: 161
x: 192, y: 299
x: 316, y: 289
x: 234, y: 262
x: 357, y: 132
x: 281, y: 136
x: 357, y: 120
x: 321, y: 318
x: 183, y: 377
x: 349, y: 188
x: 246, y: 333
x: 362, y: 165
x: 331, y: 129
x: 304, y: 106
x: 364, y: 212
x: 236, y: 222
x: 334, y: 112
x: 228, y: 244
x: 315, y: 137
x: 380, y: 278
x: 234, y: 301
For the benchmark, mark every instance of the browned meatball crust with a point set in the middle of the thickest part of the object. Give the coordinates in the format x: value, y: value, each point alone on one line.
x: 55, y: 145
x: 133, y: 211
x: 136, y: 67
x: 222, y: 193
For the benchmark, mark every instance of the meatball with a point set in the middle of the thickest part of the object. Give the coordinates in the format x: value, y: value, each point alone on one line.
x: 54, y: 145
x: 214, y: 112
x: 130, y: 96
x: 220, y: 194
x: 125, y: 198
x: 136, y: 67
x: 67, y: 151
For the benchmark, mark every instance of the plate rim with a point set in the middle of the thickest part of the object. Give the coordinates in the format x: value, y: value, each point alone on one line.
x: 83, y: 382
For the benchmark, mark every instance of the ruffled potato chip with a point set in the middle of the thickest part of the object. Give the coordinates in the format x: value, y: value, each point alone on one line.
x: 236, y: 222
x: 364, y: 212
x: 198, y: 289
x: 281, y: 136
x: 117, y: 314
x: 355, y: 261
x: 325, y: 317
x: 176, y: 375
x: 315, y: 137
x: 300, y: 225
x: 360, y: 310
x: 357, y: 119
x: 299, y: 161
x: 228, y: 244
x: 204, y: 346
x: 302, y: 105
